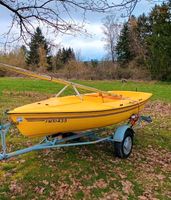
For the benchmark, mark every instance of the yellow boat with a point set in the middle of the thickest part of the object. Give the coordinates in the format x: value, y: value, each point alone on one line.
x: 71, y: 114
x: 75, y: 113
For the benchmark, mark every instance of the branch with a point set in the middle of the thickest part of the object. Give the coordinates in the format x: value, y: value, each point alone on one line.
x: 56, y: 14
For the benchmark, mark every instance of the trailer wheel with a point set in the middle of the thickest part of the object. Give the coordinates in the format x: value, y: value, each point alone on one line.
x: 124, y: 148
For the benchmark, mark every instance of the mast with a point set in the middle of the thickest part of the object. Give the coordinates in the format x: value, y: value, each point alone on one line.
x: 29, y: 73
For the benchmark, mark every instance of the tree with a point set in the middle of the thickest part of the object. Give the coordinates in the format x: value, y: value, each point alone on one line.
x: 132, y: 40
x: 148, y: 38
x: 111, y: 29
x: 38, y: 49
x: 43, y: 61
x: 55, y: 14
x: 94, y: 62
x: 159, y: 42
x: 63, y: 56
x: 144, y: 27
x: 144, y: 30
x: 67, y: 54
x: 123, y: 51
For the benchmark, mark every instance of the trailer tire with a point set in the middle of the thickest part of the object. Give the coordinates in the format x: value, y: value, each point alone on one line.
x: 123, y: 149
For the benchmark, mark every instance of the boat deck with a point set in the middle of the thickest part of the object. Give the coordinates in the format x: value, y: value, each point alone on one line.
x: 89, y: 103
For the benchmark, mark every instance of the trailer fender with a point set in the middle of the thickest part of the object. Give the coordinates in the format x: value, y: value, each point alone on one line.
x: 118, y: 136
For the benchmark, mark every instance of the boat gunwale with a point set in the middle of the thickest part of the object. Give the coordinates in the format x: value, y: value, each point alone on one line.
x: 86, y: 112
x: 76, y: 117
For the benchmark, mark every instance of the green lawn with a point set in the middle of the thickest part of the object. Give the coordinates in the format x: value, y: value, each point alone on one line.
x: 160, y: 90
x: 89, y: 172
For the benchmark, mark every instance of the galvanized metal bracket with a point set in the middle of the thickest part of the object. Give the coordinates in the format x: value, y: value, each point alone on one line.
x: 55, y: 142
x: 50, y: 142
x: 74, y: 88
x: 3, y: 132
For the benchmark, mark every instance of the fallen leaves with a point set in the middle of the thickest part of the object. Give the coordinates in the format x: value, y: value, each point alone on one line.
x: 45, y: 182
x: 160, y: 177
x: 142, y: 198
x: 64, y: 189
x: 39, y: 190
x: 127, y: 187
x: 158, y: 109
x: 15, y: 188
x: 114, y: 195
x: 147, y: 196
x: 63, y: 175
x: 100, y: 184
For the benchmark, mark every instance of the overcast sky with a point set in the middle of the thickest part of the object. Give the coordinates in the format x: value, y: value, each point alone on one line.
x: 89, y: 47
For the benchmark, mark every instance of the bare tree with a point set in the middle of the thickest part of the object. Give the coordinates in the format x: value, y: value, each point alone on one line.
x: 56, y: 14
x: 111, y: 30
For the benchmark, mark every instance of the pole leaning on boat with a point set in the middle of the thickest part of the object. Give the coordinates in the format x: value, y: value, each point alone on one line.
x: 15, y: 69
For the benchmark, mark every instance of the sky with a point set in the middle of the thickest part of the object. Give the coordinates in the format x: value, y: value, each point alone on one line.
x: 89, y: 46
x: 93, y: 47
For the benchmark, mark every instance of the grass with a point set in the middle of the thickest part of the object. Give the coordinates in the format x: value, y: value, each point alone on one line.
x: 89, y: 172
x: 160, y: 90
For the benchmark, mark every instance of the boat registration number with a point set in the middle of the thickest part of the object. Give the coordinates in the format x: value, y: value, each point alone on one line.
x: 60, y: 120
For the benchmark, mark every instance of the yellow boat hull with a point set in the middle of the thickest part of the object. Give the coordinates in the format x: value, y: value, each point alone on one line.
x: 71, y: 114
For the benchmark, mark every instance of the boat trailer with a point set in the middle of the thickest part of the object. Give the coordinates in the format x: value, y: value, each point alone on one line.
x: 122, y: 139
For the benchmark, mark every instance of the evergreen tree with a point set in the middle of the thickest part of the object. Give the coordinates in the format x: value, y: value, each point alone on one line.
x: 139, y: 30
x: 63, y: 56
x: 38, y: 42
x: 71, y: 54
x: 131, y: 43
x: 144, y: 27
x: 123, y: 46
x: 94, y: 62
x: 149, y: 38
x: 24, y: 50
x: 159, y: 42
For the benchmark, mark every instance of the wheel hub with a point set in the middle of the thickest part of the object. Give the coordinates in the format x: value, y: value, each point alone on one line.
x: 127, y: 145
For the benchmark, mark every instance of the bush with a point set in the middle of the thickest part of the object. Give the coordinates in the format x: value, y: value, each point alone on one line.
x: 73, y: 69
x: 15, y: 57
